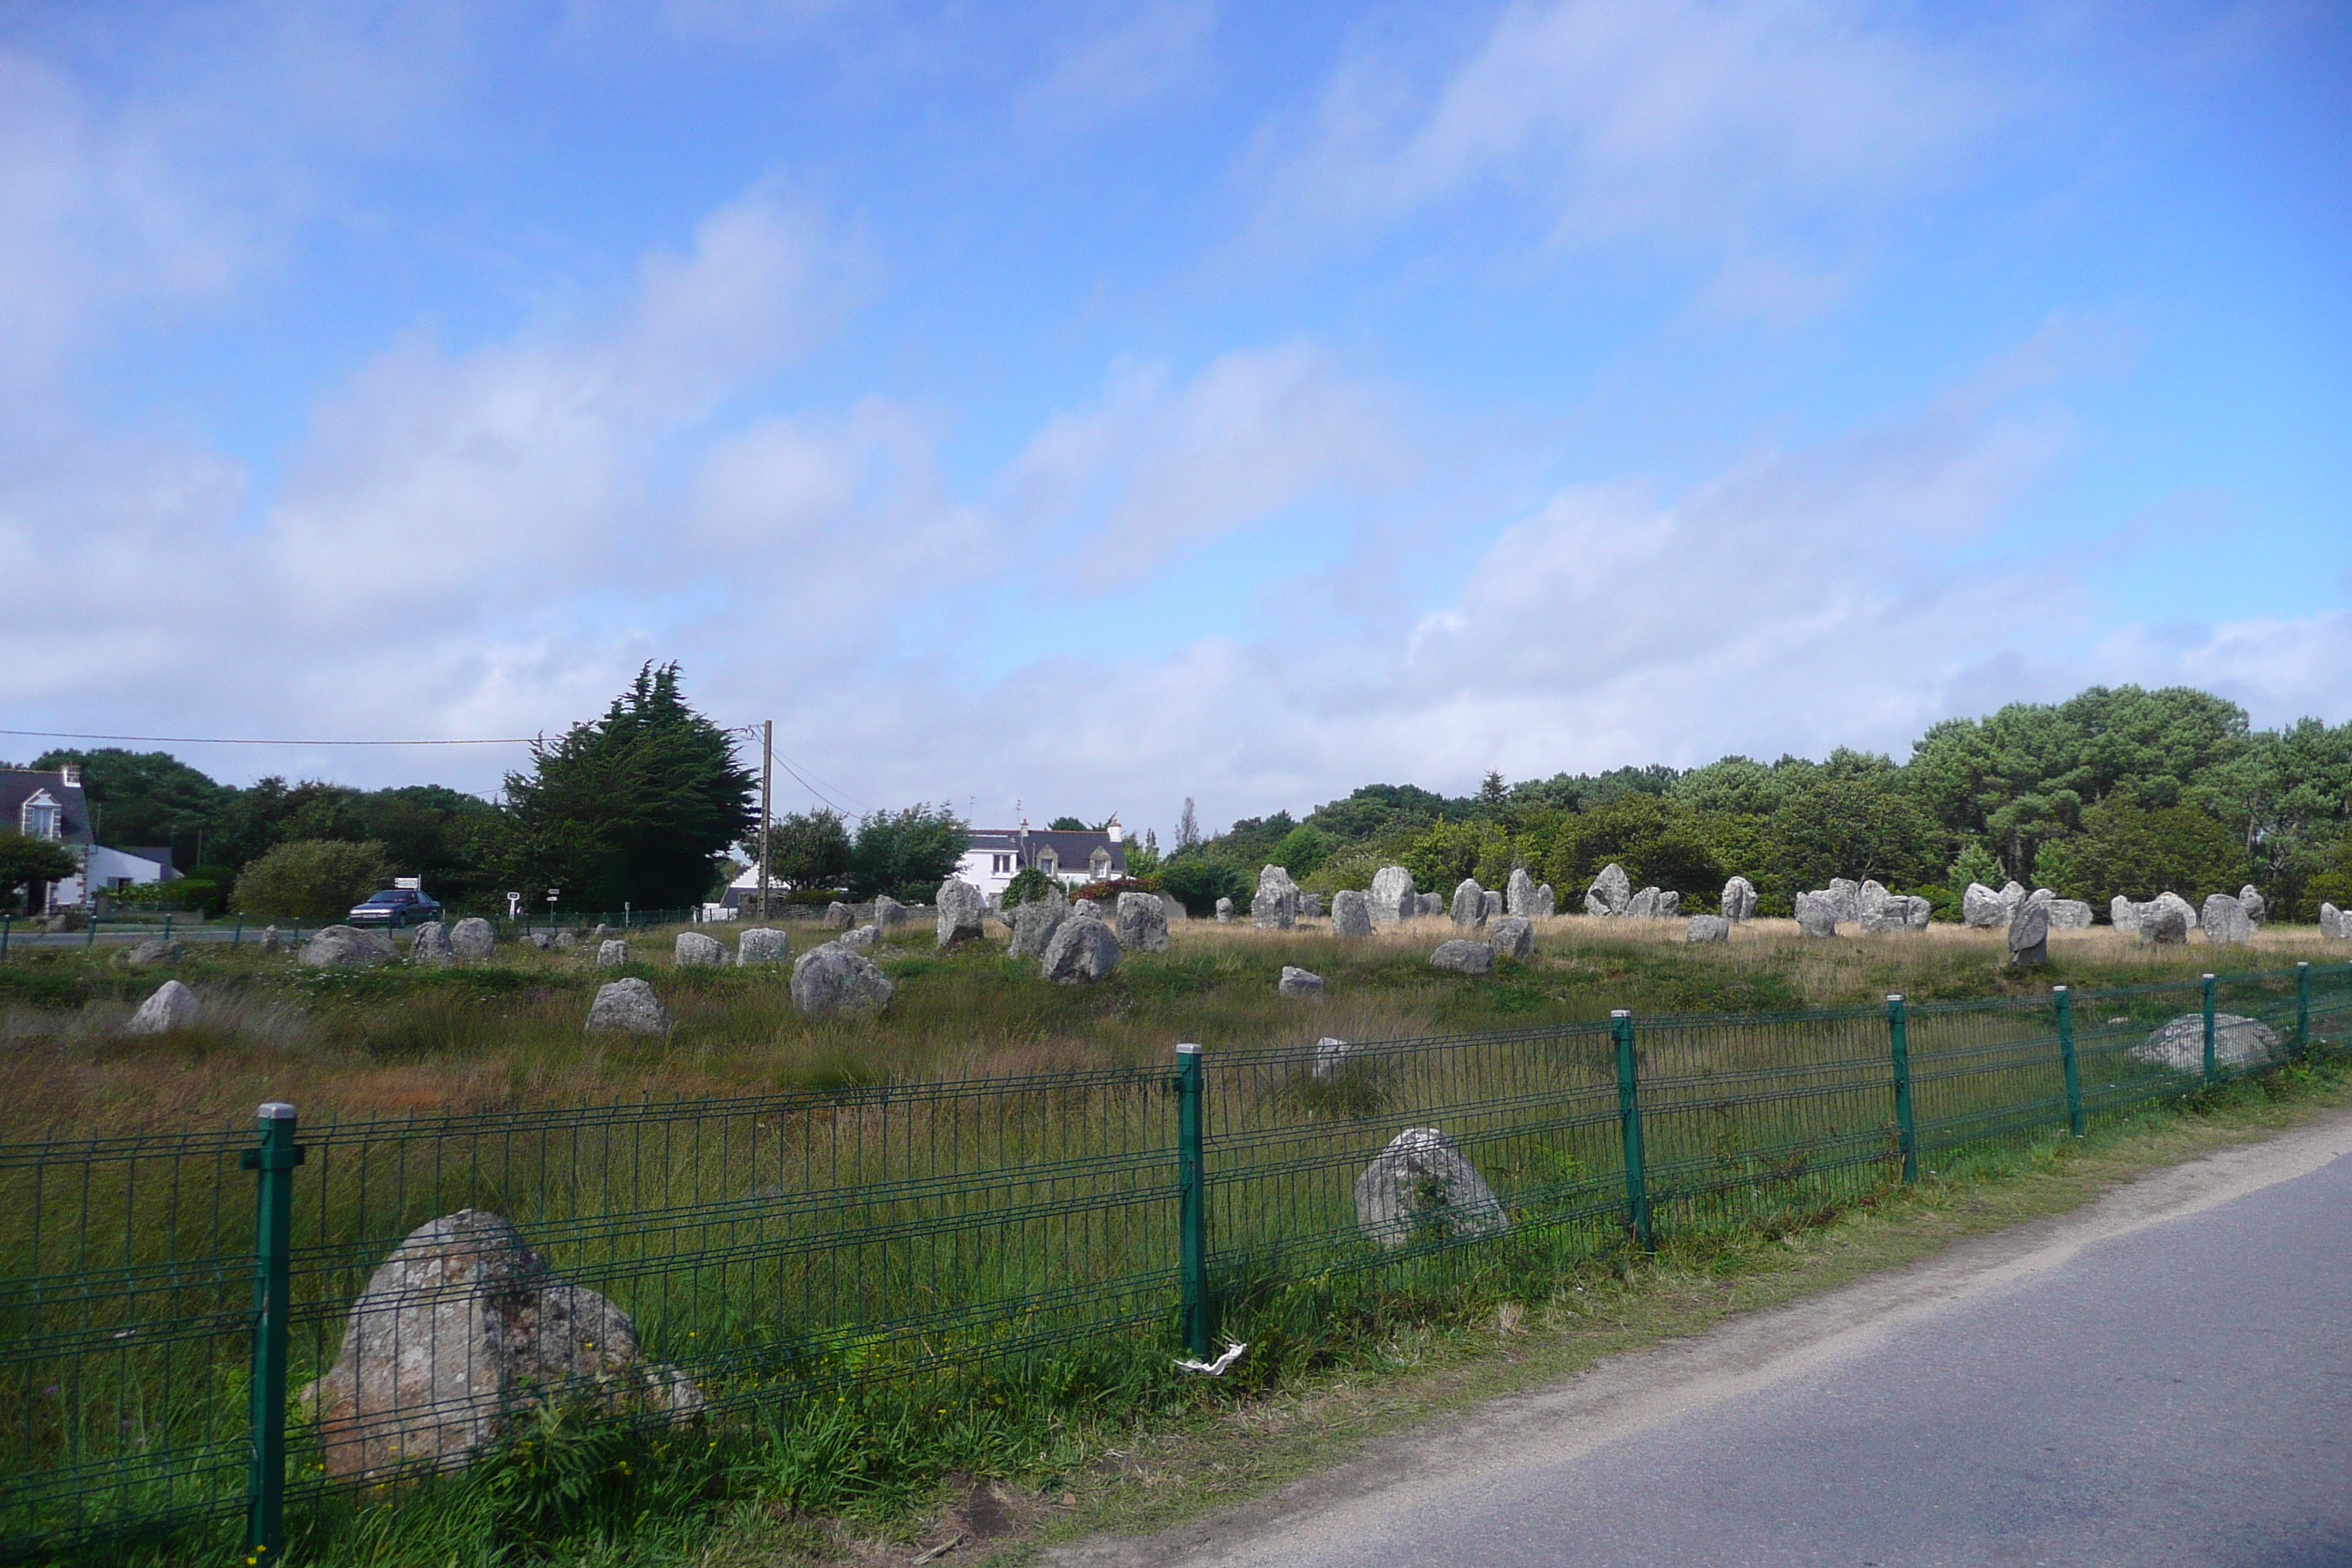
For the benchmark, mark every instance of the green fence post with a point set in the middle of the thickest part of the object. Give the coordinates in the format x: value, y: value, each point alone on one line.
x: 2066, y: 1000
x: 1629, y: 1114
x: 237, y: 937
x: 91, y: 940
x: 167, y: 925
x: 1898, y: 1050
x: 2209, y: 1069
x: 265, y: 1485
x: 1192, y: 1201
x: 2302, y: 1005
x: 4, y: 921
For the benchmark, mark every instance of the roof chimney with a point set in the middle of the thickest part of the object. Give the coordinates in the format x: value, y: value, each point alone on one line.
x: 1118, y: 834
x: 71, y: 773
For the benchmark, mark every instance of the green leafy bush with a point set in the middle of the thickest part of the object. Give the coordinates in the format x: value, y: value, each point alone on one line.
x: 1028, y: 886
x: 316, y: 879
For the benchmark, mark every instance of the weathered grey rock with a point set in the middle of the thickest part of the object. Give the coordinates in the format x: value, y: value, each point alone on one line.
x: 627, y: 1007
x: 1433, y: 905
x: 1546, y: 903
x: 1870, y: 898
x: 347, y: 947
x: 1610, y: 892
x: 889, y: 914
x: 173, y: 1006
x: 2012, y: 893
x: 1707, y: 929
x: 2223, y: 920
x: 612, y: 952
x: 2257, y: 908
x: 1311, y: 906
x: 2069, y: 914
x: 1275, y: 907
x: 1922, y: 912
x: 1465, y: 957
x: 1519, y: 893
x: 1172, y: 907
x: 1981, y: 909
x: 1817, y: 914
x: 1082, y: 951
x: 2029, y: 931
x: 1224, y: 911
x: 1297, y: 982
x: 1493, y: 909
x: 1670, y: 904
x: 2331, y: 921
x: 462, y: 1332
x: 962, y: 911
x: 1034, y: 924
x: 1330, y: 1058
x: 1089, y: 908
x: 156, y: 951
x: 1468, y: 905
x: 270, y: 941
x: 839, y: 916
x: 865, y: 938
x: 2166, y: 920
x: 430, y: 946
x: 539, y: 941
x: 1143, y: 923
x: 834, y: 980
x: 1393, y: 900
x: 1846, y: 895
x: 1351, y: 913
x: 695, y: 950
x: 472, y: 939
x: 2123, y: 914
x: 1641, y: 906
x: 601, y: 934
x: 1512, y: 936
x: 1421, y: 1187
x: 1893, y: 915
x: 763, y: 944
x: 2237, y: 1042
x: 1739, y: 903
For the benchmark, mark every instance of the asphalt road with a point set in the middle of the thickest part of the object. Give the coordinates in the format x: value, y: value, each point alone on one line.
x: 2165, y: 1378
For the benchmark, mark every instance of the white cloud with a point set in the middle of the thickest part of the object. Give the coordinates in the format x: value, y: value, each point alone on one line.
x: 1671, y: 120
x: 1129, y: 60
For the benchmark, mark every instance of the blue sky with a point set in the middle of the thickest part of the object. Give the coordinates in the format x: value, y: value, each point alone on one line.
x: 1098, y: 406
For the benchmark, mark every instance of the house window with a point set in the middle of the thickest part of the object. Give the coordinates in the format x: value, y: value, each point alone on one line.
x: 1049, y: 863
x: 1000, y: 864
x: 1101, y: 863
x: 40, y: 818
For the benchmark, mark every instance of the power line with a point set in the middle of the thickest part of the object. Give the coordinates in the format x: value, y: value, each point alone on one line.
x: 219, y: 741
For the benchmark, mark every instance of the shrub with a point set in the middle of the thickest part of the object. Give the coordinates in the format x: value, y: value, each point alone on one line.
x: 1198, y: 881
x: 2124, y: 849
x: 311, y: 879
x: 1030, y: 885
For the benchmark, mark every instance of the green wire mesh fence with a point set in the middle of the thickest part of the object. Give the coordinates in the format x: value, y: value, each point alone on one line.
x: 168, y: 1304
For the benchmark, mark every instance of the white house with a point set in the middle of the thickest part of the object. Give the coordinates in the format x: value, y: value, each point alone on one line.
x: 52, y: 804
x: 996, y: 855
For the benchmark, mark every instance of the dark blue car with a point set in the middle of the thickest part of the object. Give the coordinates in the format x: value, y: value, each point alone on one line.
x: 396, y: 907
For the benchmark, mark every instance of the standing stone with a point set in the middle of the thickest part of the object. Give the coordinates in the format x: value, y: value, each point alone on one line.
x: 1894, y: 915
x: 601, y: 934
x: 462, y: 1335
x: 961, y: 909
x: 834, y: 981
x: 156, y: 951
x: 270, y: 941
x: 1465, y: 957
x: 839, y: 916
x: 2012, y: 893
x: 2069, y: 914
x: 1738, y: 900
x: 1846, y: 895
x: 1494, y: 909
x: 2331, y: 921
x: 1393, y: 900
x: 1610, y: 892
x: 695, y: 950
x: 1869, y: 899
x: 1275, y: 905
x: 889, y: 914
x: 763, y: 944
x: 1224, y: 911
x: 346, y: 947
x: 1641, y: 906
x: 1143, y: 923
x: 1817, y: 914
x: 627, y: 1007
x: 2166, y: 920
x: 2123, y: 914
x: 1083, y: 949
x: 2179, y: 1045
x: 1172, y: 910
x: 1469, y: 904
x: 1351, y: 914
x: 1670, y: 905
x: 1922, y: 912
x: 1707, y: 929
x: 1311, y: 906
x: 2029, y: 931
x: 173, y: 1006
x: 472, y: 939
x: 430, y: 946
x: 1519, y: 893
x: 1297, y: 982
x: 1433, y: 905
x: 1330, y: 1058
x: 1420, y: 1186
x: 1981, y: 909
x: 612, y: 952
x: 1034, y: 924
x: 2224, y: 921
x: 1545, y: 902
x: 864, y: 937
x: 1512, y: 936
x: 2251, y: 899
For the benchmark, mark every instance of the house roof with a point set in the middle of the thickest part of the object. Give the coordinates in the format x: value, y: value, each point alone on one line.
x: 18, y: 785
x: 1070, y: 849
x: 159, y: 853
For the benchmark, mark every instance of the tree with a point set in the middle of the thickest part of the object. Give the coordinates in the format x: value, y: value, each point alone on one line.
x: 1492, y: 791
x: 1856, y: 819
x: 311, y: 879
x: 27, y: 863
x: 1302, y: 851
x: 637, y: 808
x: 1188, y: 826
x: 144, y: 797
x: 1200, y: 880
x: 807, y: 850
x: 2139, y: 853
x: 1143, y: 856
x: 1065, y: 825
x: 906, y: 854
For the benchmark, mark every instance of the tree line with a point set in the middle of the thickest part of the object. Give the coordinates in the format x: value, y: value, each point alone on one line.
x: 2116, y: 789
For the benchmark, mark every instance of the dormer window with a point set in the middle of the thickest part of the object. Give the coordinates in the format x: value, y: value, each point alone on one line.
x: 40, y: 816
x: 1048, y: 862
x: 1099, y: 864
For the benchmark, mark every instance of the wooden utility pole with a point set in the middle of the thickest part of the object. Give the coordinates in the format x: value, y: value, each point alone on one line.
x: 767, y: 803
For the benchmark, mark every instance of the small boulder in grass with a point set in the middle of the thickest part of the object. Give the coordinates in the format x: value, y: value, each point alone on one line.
x: 763, y: 944
x: 1224, y: 911
x: 627, y: 1007
x: 695, y: 950
x: 1704, y: 929
x: 1351, y: 913
x: 431, y: 947
x: 889, y: 914
x: 173, y: 1006
x: 612, y: 952
x: 347, y: 947
x: 1421, y: 1185
x: 471, y: 939
x: 152, y: 953
x: 839, y: 916
x: 1081, y: 951
x: 1297, y: 982
x: 865, y: 938
x: 962, y: 911
x: 1545, y: 902
x: 835, y: 981
x: 1142, y: 922
x: 1816, y: 914
x: 1512, y: 936
x: 1331, y: 1055
x: 1463, y: 956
